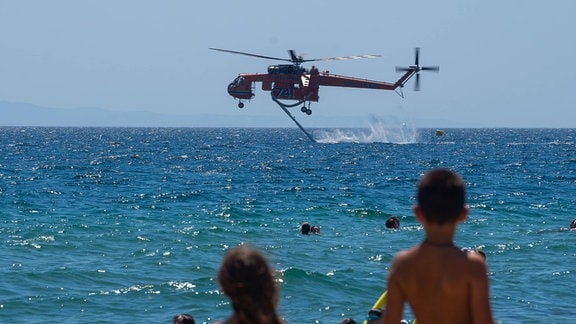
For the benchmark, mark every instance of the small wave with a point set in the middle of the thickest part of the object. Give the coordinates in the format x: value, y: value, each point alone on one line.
x: 182, y: 285
x: 34, y: 242
x: 135, y: 288
x: 300, y: 275
x: 366, y: 212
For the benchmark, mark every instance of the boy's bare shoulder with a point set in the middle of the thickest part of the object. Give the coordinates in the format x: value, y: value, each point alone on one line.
x: 405, y: 255
x: 476, y: 264
x: 419, y: 257
x: 405, y: 258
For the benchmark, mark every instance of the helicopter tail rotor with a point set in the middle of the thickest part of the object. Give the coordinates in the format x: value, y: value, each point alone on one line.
x: 417, y: 68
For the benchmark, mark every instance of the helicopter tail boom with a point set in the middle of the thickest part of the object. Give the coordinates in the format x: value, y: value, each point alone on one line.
x: 333, y: 80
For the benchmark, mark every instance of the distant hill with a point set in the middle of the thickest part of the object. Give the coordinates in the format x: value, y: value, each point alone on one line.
x: 25, y: 114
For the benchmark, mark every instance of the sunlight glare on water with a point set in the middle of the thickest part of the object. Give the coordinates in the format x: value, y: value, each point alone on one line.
x: 99, y: 222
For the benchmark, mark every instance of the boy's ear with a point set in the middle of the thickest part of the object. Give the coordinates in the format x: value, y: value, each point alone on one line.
x: 463, y: 214
x: 418, y: 213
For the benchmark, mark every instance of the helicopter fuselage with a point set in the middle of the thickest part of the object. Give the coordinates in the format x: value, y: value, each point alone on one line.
x: 292, y: 82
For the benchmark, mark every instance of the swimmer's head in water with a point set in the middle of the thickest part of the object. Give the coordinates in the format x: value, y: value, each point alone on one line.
x: 392, y: 222
x: 305, y: 228
x: 573, y: 223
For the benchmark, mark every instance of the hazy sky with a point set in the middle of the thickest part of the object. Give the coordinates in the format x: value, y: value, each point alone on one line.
x: 502, y: 63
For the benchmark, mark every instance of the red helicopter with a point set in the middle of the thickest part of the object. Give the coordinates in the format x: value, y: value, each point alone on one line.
x: 295, y: 83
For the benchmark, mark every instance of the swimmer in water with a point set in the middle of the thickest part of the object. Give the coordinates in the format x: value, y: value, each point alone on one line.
x: 183, y: 319
x: 571, y: 227
x: 316, y: 229
x: 392, y: 222
x: 305, y: 228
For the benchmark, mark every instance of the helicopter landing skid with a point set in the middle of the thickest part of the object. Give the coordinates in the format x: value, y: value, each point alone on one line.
x: 285, y: 108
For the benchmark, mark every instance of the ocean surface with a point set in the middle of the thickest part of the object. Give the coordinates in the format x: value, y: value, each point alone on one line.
x: 129, y: 225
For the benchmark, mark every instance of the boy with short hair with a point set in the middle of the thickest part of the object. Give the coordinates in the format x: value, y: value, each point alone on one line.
x: 442, y: 283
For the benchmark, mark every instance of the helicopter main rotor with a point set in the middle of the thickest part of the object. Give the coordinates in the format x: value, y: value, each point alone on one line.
x: 297, y: 59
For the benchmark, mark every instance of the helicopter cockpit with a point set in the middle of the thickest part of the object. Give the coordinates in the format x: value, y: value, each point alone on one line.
x: 237, y: 82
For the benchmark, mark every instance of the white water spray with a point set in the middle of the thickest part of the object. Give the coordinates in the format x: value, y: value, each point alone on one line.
x: 378, y: 131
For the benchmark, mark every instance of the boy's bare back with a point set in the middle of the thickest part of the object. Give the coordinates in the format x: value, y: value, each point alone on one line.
x: 442, y: 284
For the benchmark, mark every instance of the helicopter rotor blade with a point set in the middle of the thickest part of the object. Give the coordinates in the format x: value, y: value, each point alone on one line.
x: 250, y: 54
x: 416, y: 68
x: 351, y: 57
x: 403, y: 69
x: 298, y: 59
x: 430, y: 68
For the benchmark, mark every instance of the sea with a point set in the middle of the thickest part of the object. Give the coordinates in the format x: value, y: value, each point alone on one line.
x: 129, y: 225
